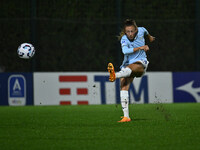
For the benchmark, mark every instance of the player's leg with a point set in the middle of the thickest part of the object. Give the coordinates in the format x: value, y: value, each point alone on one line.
x: 133, y: 70
x: 137, y: 68
x: 127, y: 75
x: 125, y: 72
x: 124, y: 96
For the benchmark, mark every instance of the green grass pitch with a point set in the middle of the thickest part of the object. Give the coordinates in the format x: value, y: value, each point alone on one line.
x: 95, y: 127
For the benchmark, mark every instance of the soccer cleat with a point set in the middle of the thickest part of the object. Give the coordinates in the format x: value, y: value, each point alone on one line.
x: 125, y: 119
x: 111, y: 70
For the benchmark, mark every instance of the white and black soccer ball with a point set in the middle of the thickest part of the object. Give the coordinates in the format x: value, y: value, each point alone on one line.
x: 26, y: 50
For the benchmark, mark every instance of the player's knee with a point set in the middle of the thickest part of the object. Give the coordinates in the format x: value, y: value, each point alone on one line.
x: 124, y: 84
x: 138, y: 73
x: 126, y: 88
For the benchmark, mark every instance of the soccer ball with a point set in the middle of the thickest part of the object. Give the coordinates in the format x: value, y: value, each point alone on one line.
x: 26, y: 50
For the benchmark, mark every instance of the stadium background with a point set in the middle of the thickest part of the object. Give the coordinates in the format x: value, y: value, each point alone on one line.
x: 76, y: 36
x: 80, y: 35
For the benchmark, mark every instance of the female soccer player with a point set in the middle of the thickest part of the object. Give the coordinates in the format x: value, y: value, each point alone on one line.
x: 135, y: 60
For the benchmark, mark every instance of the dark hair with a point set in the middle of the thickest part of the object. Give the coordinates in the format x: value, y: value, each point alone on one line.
x: 130, y: 22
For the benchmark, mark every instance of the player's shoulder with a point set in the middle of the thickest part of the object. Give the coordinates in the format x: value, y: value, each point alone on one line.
x: 142, y: 29
x: 124, y: 38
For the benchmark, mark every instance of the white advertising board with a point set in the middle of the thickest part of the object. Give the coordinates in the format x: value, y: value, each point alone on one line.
x: 72, y: 88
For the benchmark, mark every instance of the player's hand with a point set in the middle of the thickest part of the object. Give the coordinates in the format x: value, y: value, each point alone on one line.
x: 151, y: 38
x: 145, y: 48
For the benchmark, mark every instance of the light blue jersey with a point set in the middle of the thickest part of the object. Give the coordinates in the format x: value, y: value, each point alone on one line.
x: 128, y: 46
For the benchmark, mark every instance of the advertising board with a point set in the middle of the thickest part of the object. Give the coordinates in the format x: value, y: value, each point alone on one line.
x: 95, y: 88
x: 16, y: 89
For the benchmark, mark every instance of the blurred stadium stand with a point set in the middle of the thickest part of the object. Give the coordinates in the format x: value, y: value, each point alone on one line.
x: 80, y: 35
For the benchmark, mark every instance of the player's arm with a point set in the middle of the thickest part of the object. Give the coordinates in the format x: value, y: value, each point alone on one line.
x: 150, y: 37
x: 145, y: 48
x: 127, y: 50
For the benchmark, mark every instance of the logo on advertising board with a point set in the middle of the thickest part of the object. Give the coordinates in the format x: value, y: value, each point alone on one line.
x: 138, y: 94
x: 16, y: 90
x: 186, y: 87
x: 69, y: 91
